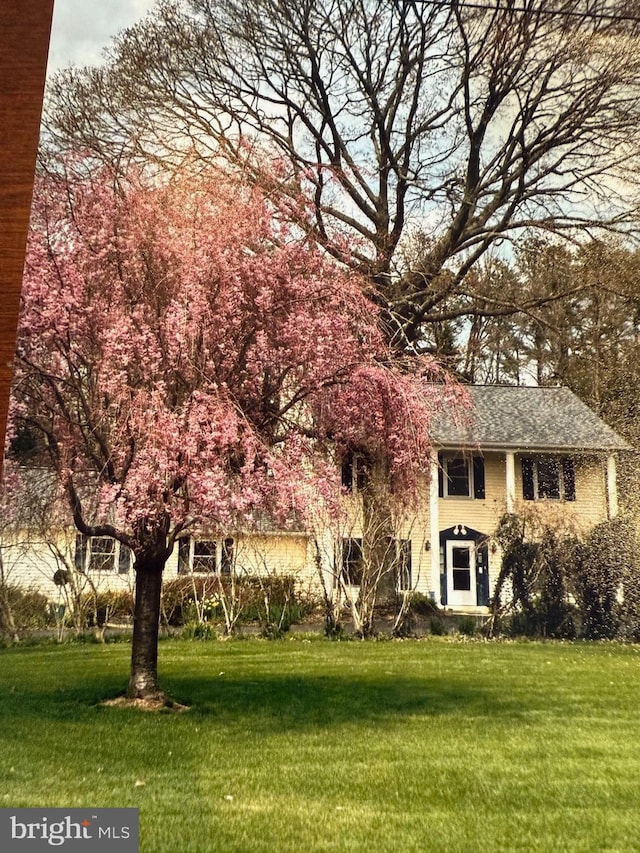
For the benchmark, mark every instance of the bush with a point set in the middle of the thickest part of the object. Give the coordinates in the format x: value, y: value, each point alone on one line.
x: 198, y: 631
x: 564, y: 587
x: 422, y: 605
x: 272, y: 602
x: 179, y: 596
x: 31, y: 609
x: 607, y: 572
x: 108, y: 606
x: 437, y: 627
x: 275, y: 604
x: 467, y: 626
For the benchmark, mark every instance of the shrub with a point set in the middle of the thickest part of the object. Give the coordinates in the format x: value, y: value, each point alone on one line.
x: 564, y: 587
x: 198, y: 631
x: 272, y: 602
x: 108, y: 606
x: 30, y: 609
x: 275, y: 604
x: 606, y: 581
x: 179, y: 597
x: 437, y: 627
x: 467, y: 626
x: 422, y: 605
x: 539, y: 574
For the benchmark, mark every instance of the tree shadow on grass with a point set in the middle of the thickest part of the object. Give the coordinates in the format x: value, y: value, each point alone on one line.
x: 274, y: 702
x: 299, y: 702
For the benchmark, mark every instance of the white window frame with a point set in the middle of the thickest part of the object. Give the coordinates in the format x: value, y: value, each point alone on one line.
x: 97, y: 559
x: 222, y: 560
x: 562, y: 487
x: 358, y: 473
x: 101, y: 554
x: 204, y: 557
x: 351, y: 560
x: 468, y: 461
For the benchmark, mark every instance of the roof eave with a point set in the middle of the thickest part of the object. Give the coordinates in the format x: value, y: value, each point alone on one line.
x: 531, y: 448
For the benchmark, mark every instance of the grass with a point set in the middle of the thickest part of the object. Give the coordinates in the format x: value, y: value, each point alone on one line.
x: 313, y: 746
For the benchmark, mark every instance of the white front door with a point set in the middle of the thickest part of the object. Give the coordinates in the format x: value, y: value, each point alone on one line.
x: 461, y: 574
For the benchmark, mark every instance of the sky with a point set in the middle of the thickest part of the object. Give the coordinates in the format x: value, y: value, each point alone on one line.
x: 82, y: 28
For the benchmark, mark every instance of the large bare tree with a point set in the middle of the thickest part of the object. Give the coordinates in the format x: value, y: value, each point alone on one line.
x: 424, y: 131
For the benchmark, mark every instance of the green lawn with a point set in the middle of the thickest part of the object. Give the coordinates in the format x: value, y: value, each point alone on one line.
x: 315, y: 746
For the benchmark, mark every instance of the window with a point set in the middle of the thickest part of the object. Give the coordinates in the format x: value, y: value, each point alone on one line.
x: 397, y: 558
x: 102, y: 554
x: 461, y: 567
x: 352, y: 562
x: 354, y: 473
x: 205, y: 556
x: 403, y: 564
x: 548, y: 478
x: 461, y: 476
x: 95, y: 553
x: 458, y: 477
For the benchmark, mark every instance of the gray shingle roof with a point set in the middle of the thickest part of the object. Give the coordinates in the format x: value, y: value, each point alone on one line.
x: 527, y: 418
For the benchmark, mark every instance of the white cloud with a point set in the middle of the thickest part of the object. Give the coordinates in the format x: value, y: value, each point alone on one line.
x: 82, y: 29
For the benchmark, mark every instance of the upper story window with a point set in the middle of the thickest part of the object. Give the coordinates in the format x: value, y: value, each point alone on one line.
x: 460, y: 476
x: 354, y: 472
x: 548, y: 478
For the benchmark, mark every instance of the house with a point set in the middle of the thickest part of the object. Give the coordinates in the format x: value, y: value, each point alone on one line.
x: 523, y: 447
x: 520, y: 449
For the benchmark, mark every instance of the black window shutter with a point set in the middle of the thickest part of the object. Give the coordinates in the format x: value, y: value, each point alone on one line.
x: 527, y: 479
x: 569, y: 477
x: 482, y: 576
x: 80, y: 557
x: 184, y: 547
x: 347, y: 472
x: 440, y: 475
x: 478, y: 478
x: 362, y: 473
x: 443, y: 588
x: 124, y: 559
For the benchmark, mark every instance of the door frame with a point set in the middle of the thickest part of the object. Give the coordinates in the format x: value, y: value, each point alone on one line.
x: 465, y: 535
x: 461, y: 597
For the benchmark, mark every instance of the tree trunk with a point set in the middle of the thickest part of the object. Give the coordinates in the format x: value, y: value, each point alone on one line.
x: 379, y: 535
x: 143, y: 683
x: 7, y: 622
x: 378, y: 550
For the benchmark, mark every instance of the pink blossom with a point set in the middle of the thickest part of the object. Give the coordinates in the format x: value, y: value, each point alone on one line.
x: 203, y: 361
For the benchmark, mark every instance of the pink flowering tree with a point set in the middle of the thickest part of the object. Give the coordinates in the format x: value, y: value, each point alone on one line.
x: 188, y: 357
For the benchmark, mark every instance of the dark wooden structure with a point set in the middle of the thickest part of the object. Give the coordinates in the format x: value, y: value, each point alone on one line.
x: 25, y: 28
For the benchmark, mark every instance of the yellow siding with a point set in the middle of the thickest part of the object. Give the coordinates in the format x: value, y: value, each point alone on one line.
x: 281, y: 555
x: 294, y: 553
x: 272, y: 554
x: 576, y: 517
x: 31, y: 568
x: 34, y: 566
x: 481, y: 515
